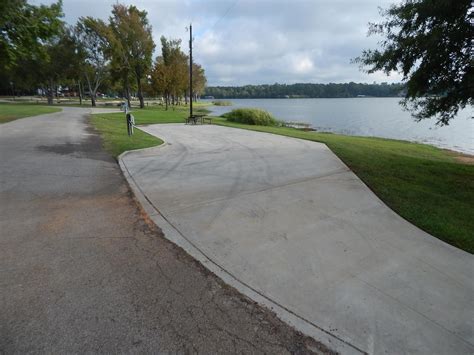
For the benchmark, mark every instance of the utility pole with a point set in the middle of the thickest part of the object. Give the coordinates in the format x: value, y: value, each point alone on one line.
x: 190, y: 70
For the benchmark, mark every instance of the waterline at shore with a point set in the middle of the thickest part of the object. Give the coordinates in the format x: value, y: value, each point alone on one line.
x: 371, y: 117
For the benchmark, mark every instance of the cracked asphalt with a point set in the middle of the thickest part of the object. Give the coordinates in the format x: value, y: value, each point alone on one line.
x: 82, y: 270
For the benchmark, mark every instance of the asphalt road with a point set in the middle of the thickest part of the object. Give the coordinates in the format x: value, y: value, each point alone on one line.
x: 82, y: 271
x: 287, y: 219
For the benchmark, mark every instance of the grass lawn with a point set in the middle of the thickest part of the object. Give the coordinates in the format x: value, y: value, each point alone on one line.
x: 113, y: 127
x: 10, y: 112
x: 113, y: 130
x: 428, y: 186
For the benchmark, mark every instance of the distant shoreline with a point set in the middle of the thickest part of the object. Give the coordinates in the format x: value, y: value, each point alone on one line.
x: 306, y: 90
x: 298, y: 98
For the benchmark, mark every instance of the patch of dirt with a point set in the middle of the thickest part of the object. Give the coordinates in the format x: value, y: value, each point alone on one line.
x: 462, y: 157
x: 90, y: 147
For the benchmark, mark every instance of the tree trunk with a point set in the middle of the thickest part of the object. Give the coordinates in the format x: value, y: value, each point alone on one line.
x: 50, y: 93
x: 140, y: 93
x: 92, y: 92
x: 80, y: 92
x: 166, y: 101
x: 127, y: 90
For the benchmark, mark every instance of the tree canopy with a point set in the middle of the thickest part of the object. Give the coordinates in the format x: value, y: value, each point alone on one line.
x: 304, y: 90
x: 132, y: 44
x: 92, y: 41
x: 39, y: 53
x: 24, y: 28
x: 430, y: 43
x: 169, y: 76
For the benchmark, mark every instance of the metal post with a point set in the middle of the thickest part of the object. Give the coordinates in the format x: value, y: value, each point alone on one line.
x: 190, y: 70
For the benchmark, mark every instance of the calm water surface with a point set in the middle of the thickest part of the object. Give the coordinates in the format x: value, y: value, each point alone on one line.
x: 379, y: 117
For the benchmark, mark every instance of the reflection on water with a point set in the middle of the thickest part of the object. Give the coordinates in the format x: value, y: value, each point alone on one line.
x: 379, y: 117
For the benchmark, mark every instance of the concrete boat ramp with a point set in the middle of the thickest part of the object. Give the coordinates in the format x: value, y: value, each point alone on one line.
x: 287, y: 223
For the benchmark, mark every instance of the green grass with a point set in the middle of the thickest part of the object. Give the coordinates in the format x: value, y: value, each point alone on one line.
x: 426, y: 185
x: 10, y: 112
x: 150, y: 103
x: 113, y: 128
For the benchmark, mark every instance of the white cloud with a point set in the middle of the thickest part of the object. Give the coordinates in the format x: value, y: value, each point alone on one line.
x: 261, y: 41
x: 303, y: 65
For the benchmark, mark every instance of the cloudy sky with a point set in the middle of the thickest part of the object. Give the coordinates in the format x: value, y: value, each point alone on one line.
x: 261, y: 41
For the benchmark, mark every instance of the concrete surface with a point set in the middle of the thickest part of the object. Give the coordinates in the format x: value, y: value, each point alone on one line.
x: 287, y: 219
x: 81, y: 270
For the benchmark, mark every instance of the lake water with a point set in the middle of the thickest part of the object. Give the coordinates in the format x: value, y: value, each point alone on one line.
x: 378, y: 117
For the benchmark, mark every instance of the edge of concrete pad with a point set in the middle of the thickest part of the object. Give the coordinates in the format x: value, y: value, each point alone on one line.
x: 171, y: 233
x: 432, y: 237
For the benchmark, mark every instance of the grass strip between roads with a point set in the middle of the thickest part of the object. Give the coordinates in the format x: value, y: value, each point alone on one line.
x: 428, y: 186
x: 113, y: 128
x: 11, y: 112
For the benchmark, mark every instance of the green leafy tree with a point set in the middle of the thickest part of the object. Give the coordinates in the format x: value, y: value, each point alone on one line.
x: 25, y: 34
x: 177, y: 63
x: 23, y: 30
x: 91, y: 35
x: 305, y: 90
x: 132, y: 44
x: 170, y: 74
x: 53, y: 69
x: 160, y: 79
x: 60, y: 63
x: 430, y: 43
x: 199, y: 81
x: 120, y: 70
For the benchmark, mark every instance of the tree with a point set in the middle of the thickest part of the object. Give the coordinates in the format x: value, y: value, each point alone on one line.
x: 177, y: 63
x: 91, y: 35
x: 132, y: 44
x: 430, y: 43
x: 170, y: 74
x: 52, y: 69
x: 24, y: 28
x: 305, y: 90
x: 59, y: 65
x: 26, y: 31
x: 160, y: 79
x: 199, y: 81
x: 120, y: 71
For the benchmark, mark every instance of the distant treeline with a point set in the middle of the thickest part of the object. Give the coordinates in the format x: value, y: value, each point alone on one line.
x: 304, y: 90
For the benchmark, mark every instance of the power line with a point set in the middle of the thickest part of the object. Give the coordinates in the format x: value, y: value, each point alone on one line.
x: 220, y: 18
